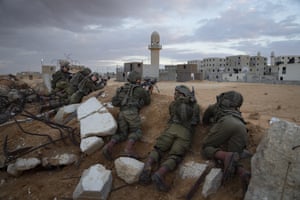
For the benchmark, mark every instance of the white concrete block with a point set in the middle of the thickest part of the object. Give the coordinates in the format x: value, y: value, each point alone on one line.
x: 23, y: 164
x: 212, y: 182
x: 191, y: 170
x: 98, y: 124
x: 95, y: 183
x: 88, y: 107
x: 91, y: 144
x: 129, y: 169
x: 11, y: 169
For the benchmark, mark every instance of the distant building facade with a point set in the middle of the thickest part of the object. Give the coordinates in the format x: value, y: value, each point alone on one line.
x: 29, y: 75
x: 288, y: 67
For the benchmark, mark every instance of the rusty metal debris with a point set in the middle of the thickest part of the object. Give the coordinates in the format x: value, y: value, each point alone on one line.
x: 65, y: 132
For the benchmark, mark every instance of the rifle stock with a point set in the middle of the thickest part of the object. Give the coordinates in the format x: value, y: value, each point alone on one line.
x: 196, y: 185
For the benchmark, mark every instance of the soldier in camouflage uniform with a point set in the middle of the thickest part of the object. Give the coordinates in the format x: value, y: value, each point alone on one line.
x: 130, y: 98
x: 227, y: 138
x: 86, y: 86
x: 175, y: 140
x: 76, y: 79
x: 61, y: 78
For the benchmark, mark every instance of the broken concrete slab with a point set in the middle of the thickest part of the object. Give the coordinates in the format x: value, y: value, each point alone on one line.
x: 95, y: 183
x: 98, y: 124
x: 95, y: 120
x: 91, y: 144
x: 191, y: 170
x: 89, y: 107
x: 129, y: 169
x: 212, y: 182
x: 275, y: 167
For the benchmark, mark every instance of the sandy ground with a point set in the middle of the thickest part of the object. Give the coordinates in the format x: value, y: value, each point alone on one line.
x: 261, y: 103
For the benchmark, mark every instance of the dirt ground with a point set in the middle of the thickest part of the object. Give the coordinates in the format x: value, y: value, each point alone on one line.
x: 261, y: 103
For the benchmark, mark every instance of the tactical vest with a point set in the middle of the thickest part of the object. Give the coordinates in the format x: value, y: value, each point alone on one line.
x: 221, y: 112
x: 124, y: 96
x: 181, y: 112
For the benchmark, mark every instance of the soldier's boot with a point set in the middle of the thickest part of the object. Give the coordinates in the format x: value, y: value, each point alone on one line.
x: 230, y: 162
x: 159, y: 179
x: 107, y: 149
x: 145, y: 177
x: 245, y: 177
x: 129, y: 149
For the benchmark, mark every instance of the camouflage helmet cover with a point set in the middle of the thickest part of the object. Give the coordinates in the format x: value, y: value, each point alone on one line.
x: 134, y: 77
x: 183, y: 90
x: 64, y: 63
x: 95, y: 74
x: 230, y: 99
x: 86, y: 71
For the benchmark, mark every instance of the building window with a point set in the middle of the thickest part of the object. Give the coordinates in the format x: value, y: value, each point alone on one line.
x: 283, y: 70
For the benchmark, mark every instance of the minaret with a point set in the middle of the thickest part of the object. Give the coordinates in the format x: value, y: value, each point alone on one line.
x: 272, y: 58
x: 155, y: 47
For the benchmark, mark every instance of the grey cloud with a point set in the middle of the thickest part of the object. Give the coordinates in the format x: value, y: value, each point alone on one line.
x: 239, y: 23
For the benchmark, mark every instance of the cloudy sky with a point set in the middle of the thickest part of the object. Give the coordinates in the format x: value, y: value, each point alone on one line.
x: 103, y: 34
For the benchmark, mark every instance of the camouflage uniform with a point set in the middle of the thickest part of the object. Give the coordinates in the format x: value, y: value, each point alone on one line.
x: 60, y: 79
x: 76, y: 79
x: 86, y: 86
x: 129, y: 121
x: 227, y: 138
x: 228, y: 131
x: 130, y: 98
x: 175, y: 140
x: 184, y: 114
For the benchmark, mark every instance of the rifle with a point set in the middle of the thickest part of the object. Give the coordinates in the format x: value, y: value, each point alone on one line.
x: 196, y: 185
x: 149, y: 84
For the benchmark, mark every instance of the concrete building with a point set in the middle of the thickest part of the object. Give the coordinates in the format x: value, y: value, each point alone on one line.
x: 186, y: 72
x: 288, y: 67
x: 168, y: 73
x: 258, y: 65
x: 214, y: 67
x: 200, y: 67
x: 237, y: 64
x: 122, y: 73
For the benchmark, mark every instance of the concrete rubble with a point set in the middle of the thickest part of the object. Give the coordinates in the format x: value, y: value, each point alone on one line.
x: 91, y: 144
x: 95, y: 183
x: 128, y: 169
x: 60, y: 159
x: 212, y: 182
x: 95, y: 121
x: 275, y: 166
x: 22, y: 164
x: 191, y: 170
x: 93, y: 112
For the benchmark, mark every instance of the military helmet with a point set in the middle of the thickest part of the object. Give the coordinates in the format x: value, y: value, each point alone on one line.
x: 134, y: 77
x: 64, y: 63
x: 95, y: 74
x: 183, y: 90
x: 230, y: 99
x: 86, y: 71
